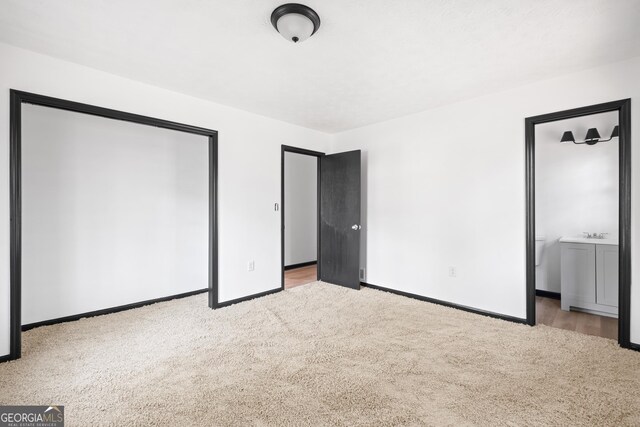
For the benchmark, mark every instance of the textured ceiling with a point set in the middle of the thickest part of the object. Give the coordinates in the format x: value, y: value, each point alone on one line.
x: 371, y: 60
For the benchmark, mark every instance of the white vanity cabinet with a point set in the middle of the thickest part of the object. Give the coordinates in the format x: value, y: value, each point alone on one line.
x: 589, y: 275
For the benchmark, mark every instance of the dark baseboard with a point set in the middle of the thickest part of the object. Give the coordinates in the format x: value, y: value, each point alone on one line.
x: 547, y: 294
x: 247, y: 298
x: 302, y: 264
x: 448, y: 304
x: 111, y: 310
x: 6, y: 358
x: 634, y: 346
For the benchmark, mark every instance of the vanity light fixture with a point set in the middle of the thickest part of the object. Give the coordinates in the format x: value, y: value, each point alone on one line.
x: 295, y: 22
x: 592, y: 137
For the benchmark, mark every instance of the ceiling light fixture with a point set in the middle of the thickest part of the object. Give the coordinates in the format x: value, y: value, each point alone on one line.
x: 295, y: 22
x: 592, y: 137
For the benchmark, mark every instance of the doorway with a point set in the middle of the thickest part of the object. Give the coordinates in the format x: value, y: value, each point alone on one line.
x: 582, y: 280
x: 300, y: 216
x: 194, y: 142
x: 337, y: 219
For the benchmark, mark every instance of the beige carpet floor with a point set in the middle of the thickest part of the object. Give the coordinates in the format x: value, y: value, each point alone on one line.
x: 321, y: 355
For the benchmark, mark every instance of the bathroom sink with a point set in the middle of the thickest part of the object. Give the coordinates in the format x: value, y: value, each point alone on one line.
x: 589, y: 240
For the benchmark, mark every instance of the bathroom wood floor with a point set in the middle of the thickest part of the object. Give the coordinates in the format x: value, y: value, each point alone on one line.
x: 548, y: 310
x: 300, y: 276
x: 548, y: 313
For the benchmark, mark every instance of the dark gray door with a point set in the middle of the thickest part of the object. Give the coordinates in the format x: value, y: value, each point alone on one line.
x: 340, y: 219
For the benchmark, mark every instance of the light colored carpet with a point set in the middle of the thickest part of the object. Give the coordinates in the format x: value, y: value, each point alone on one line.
x: 321, y: 355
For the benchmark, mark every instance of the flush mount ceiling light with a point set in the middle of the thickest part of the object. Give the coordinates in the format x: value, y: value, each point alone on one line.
x: 295, y: 22
x: 592, y: 137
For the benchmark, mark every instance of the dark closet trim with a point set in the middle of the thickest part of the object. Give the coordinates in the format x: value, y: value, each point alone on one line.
x: 111, y: 310
x: 17, y: 98
x: 319, y: 155
x: 547, y: 294
x: 300, y: 265
x: 623, y: 107
x: 213, y: 221
x: 447, y: 304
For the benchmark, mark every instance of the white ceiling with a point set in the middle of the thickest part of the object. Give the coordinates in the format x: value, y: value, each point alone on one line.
x: 371, y: 60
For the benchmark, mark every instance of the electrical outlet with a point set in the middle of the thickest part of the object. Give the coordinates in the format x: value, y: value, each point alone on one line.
x: 251, y: 265
x: 453, y: 271
x: 362, y: 274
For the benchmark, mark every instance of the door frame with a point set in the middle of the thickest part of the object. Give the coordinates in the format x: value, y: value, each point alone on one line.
x: 623, y: 107
x: 303, y: 151
x: 17, y: 98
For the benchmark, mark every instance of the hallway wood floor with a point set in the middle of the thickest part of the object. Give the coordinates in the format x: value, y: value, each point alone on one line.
x: 548, y: 313
x: 300, y: 276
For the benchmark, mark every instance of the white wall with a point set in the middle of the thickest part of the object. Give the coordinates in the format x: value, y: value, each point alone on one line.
x: 446, y: 187
x: 249, y: 163
x: 576, y: 188
x: 301, y: 204
x: 112, y: 213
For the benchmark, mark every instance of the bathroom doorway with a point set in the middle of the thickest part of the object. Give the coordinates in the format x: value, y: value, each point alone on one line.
x: 578, y: 220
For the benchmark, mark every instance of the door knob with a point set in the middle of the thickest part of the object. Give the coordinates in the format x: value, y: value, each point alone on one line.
x: 355, y: 227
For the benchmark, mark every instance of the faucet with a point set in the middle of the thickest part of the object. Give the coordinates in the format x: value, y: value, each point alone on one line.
x: 588, y: 235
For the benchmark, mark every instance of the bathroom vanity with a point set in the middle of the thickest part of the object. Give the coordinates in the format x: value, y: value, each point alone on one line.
x: 589, y: 275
